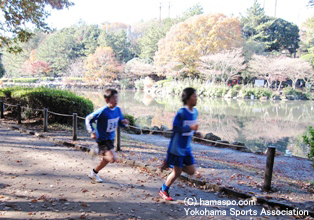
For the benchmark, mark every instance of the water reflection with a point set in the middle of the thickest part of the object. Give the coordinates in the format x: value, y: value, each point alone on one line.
x: 256, y: 123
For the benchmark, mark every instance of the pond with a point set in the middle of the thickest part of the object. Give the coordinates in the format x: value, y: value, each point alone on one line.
x: 256, y: 123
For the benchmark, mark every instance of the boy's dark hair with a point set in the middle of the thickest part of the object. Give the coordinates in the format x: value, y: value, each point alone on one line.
x: 186, y: 94
x: 109, y: 93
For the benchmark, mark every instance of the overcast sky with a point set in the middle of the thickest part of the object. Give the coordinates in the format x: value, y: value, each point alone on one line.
x: 131, y: 11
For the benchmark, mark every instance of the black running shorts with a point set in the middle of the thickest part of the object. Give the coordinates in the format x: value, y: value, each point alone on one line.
x: 105, y: 145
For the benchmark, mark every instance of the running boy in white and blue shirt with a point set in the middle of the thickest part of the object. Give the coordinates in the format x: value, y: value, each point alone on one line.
x: 179, y: 154
x: 107, y: 119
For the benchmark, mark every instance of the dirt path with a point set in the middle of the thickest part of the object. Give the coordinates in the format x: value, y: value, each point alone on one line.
x: 39, y: 179
x: 292, y: 176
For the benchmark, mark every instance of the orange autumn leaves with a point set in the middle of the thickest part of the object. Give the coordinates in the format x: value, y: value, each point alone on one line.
x: 198, y: 36
x: 102, y: 66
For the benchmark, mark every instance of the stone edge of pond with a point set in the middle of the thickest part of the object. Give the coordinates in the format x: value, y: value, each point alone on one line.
x: 198, y: 183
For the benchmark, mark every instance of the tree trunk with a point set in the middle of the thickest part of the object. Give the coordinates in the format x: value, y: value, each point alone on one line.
x: 294, y: 84
x: 279, y: 85
x: 268, y: 83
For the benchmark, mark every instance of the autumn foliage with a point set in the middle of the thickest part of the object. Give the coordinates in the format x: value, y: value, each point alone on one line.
x: 198, y: 36
x: 35, y: 67
x: 102, y: 66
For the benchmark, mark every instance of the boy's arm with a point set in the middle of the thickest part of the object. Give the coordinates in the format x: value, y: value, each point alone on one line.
x: 90, y: 119
x: 122, y: 121
x: 177, y: 124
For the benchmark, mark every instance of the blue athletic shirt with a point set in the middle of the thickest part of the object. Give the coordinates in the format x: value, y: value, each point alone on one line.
x: 182, y: 134
x: 107, y: 120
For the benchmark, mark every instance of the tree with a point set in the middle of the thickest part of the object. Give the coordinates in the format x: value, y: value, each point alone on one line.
x: 277, y: 34
x: 139, y: 67
x: 198, y: 36
x: 157, y: 30
x: 311, y: 3
x: 278, y: 73
x: 280, y: 69
x: 1, y: 67
x: 114, y: 27
x: 36, y: 68
x: 118, y: 42
x: 18, y: 14
x: 13, y: 62
x: 227, y: 64
x: 309, y: 58
x: 250, y: 23
x: 296, y: 69
x: 76, y: 69
x: 261, y: 67
x: 196, y: 9
x: 149, y: 42
x: 87, y: 37
x: 307, y: 35
x: 102, y: 66
x: 252, y: 47
x: 59, y: 49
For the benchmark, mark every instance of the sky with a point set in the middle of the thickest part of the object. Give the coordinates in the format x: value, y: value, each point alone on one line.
x: 129, y: 12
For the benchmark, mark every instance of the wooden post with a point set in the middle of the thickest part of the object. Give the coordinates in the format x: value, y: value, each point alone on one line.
x: 19, y: 117
x: 74, y: 127
x: 45, y: 120
x: 118, y: 139
x: 269, y: 167
x: 1, y: 109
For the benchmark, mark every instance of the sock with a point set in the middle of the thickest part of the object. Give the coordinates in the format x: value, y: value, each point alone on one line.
x: 164, y: 187
x: 95, y: 171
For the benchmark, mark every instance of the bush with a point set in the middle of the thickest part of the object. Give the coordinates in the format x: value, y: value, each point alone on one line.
x: 130, y: 118
x: 126, y: 83
x: 289, y: 91
x: 58, y: 101
x: 215, y: 90
x: 25, y: 80
x: 160, y: 83
x: 237, y: 88
x: 139, y: 84
x: 309, y: 140
x: 246, y: 91
x: 233, y: 92
x: 6, y: 92
x: 260, y: 92
x: 48, y: 79
x: 20, y: 80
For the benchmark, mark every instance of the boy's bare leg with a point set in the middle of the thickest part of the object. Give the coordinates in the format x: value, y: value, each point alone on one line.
x: 108, y: 157
x: 176, y: 172
x: 190, y: 170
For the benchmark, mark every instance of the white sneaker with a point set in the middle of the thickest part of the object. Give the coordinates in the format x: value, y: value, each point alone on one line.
x: 94, y: 176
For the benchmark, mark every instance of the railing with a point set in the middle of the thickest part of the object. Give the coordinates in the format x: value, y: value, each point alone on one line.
x: 270, y: 152
x: 75, y: 117
x: 46, y: 113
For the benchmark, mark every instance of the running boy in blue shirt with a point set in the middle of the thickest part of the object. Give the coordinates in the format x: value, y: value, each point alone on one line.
x: 179, y: 153
x: 107, y: 118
